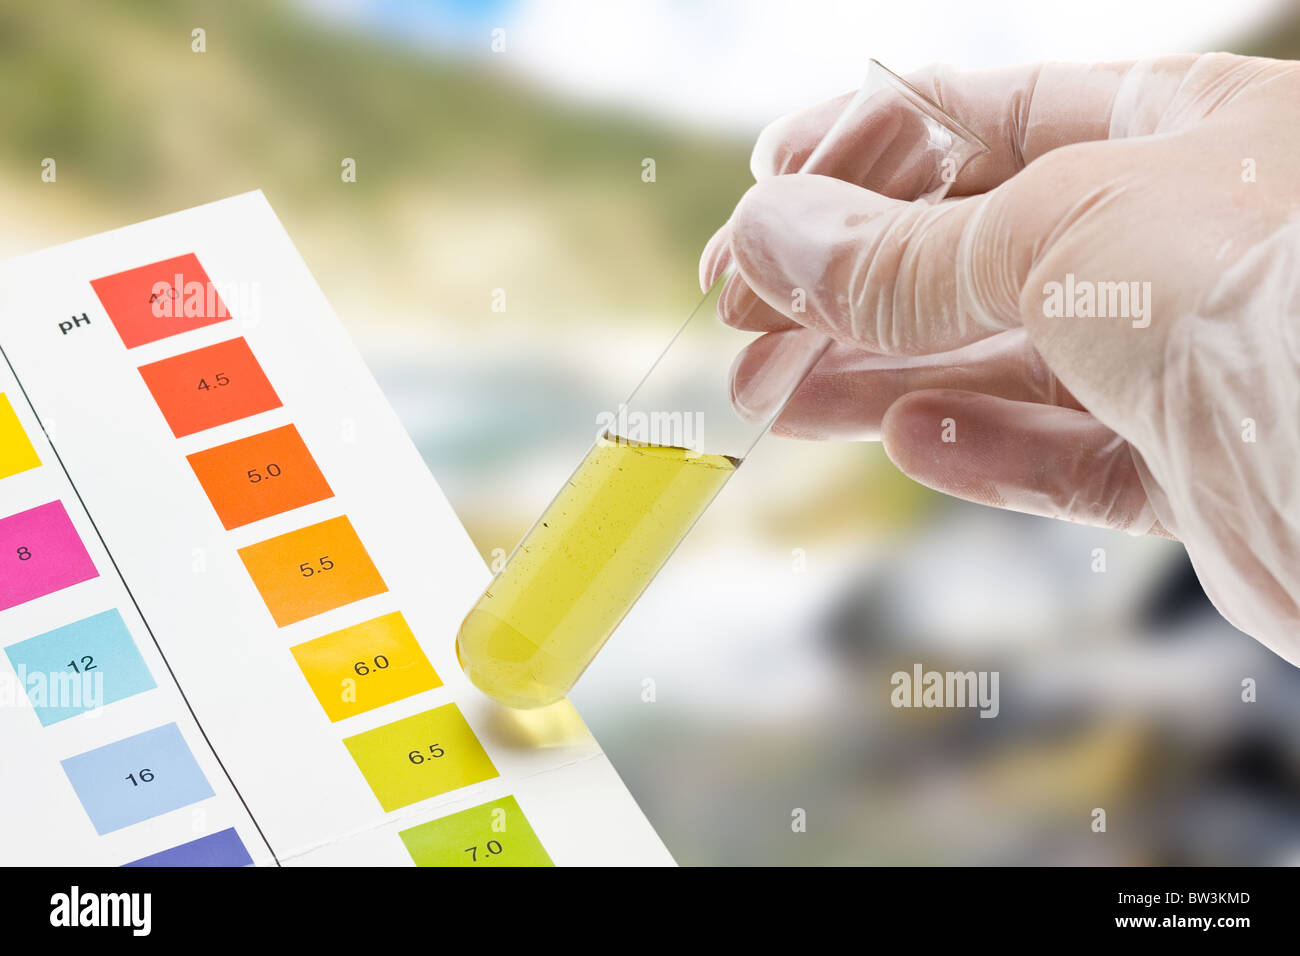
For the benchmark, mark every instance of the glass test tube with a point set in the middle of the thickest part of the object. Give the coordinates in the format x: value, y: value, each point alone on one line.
x: 682, y: 434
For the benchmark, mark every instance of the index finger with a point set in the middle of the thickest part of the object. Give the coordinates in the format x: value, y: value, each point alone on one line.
x: 1021, y: 112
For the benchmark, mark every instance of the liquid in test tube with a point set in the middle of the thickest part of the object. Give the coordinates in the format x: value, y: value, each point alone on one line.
x: 583, y: 565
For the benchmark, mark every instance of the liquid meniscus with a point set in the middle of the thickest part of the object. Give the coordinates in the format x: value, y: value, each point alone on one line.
x: 582, y: 567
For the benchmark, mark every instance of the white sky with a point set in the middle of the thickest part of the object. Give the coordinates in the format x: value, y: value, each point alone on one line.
x: 739, y: 63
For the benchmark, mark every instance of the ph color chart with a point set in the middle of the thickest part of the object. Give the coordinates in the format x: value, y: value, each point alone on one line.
x: 229, y: 587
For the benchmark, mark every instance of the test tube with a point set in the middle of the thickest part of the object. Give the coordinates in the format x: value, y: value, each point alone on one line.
x: 662, y: 457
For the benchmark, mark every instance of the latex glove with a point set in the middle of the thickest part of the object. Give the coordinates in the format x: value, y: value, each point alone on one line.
x: 1182, y: 173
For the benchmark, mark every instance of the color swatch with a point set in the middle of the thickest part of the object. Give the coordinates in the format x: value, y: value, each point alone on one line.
x: 223, y: 848
x: 136, y: 778
x: 365, y: 666
x: 312, y: 570
x: 491, y: 834
x: 40, y: 553
x: 209, y: 387
x: 16, y: 451
x: 259, y: 476
x: 160, y: 300
x: 420, y: 757
x: 80, y: 667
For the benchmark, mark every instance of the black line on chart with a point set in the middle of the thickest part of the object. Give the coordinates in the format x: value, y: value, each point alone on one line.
x: 131, y: 595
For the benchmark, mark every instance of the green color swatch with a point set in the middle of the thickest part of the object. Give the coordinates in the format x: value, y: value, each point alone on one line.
x: 492, y: 834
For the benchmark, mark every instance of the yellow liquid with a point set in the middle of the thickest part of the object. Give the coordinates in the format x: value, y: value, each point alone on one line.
x: 582, y: 566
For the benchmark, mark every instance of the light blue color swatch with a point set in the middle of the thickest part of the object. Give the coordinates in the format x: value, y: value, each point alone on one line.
x: 79, y: 667
x: 136, y: 778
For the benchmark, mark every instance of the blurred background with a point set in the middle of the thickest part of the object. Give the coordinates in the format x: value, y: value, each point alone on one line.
x: 772, y: 635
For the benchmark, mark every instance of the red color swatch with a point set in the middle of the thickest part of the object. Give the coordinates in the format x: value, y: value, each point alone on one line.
x: 159, y: 300
x: 209, y: 387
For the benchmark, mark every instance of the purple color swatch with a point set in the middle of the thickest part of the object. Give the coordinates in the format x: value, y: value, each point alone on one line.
x: 216, y: 849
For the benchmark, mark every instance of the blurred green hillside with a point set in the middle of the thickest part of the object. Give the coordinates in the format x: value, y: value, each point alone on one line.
x: 1281, y: 39
x: 467, y: 179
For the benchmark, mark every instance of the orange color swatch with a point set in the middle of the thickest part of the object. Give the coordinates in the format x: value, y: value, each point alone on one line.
x: 160, y: 300
x: 209, y: 387
x: 259, y: 476
x: 312, y: 570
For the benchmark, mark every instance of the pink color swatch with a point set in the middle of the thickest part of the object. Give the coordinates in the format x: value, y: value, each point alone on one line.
x: 40, y: 553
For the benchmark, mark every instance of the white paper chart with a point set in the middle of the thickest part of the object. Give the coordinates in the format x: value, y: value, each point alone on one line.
x: 230, y: 588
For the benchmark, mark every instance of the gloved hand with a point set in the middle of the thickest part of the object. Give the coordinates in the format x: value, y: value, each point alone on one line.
x: 988, y: 342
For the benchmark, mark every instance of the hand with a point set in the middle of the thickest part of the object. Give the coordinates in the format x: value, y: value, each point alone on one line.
x: 1103, y: 325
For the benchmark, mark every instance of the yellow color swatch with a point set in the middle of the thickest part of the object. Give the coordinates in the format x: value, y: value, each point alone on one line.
x: 16, y: 451
x: 312, y: 570
x: 420, y: 757
x: 365, y: 666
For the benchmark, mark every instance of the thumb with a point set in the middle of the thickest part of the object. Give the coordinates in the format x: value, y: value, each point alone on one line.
x: 889, y: 276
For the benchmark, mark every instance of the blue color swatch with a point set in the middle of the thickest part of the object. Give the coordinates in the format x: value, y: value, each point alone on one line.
x: 223, y: 848
x: 136, y: 778
x: 79, y: 667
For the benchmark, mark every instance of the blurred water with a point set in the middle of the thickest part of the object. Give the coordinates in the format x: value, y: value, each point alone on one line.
x: 771, y: 675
